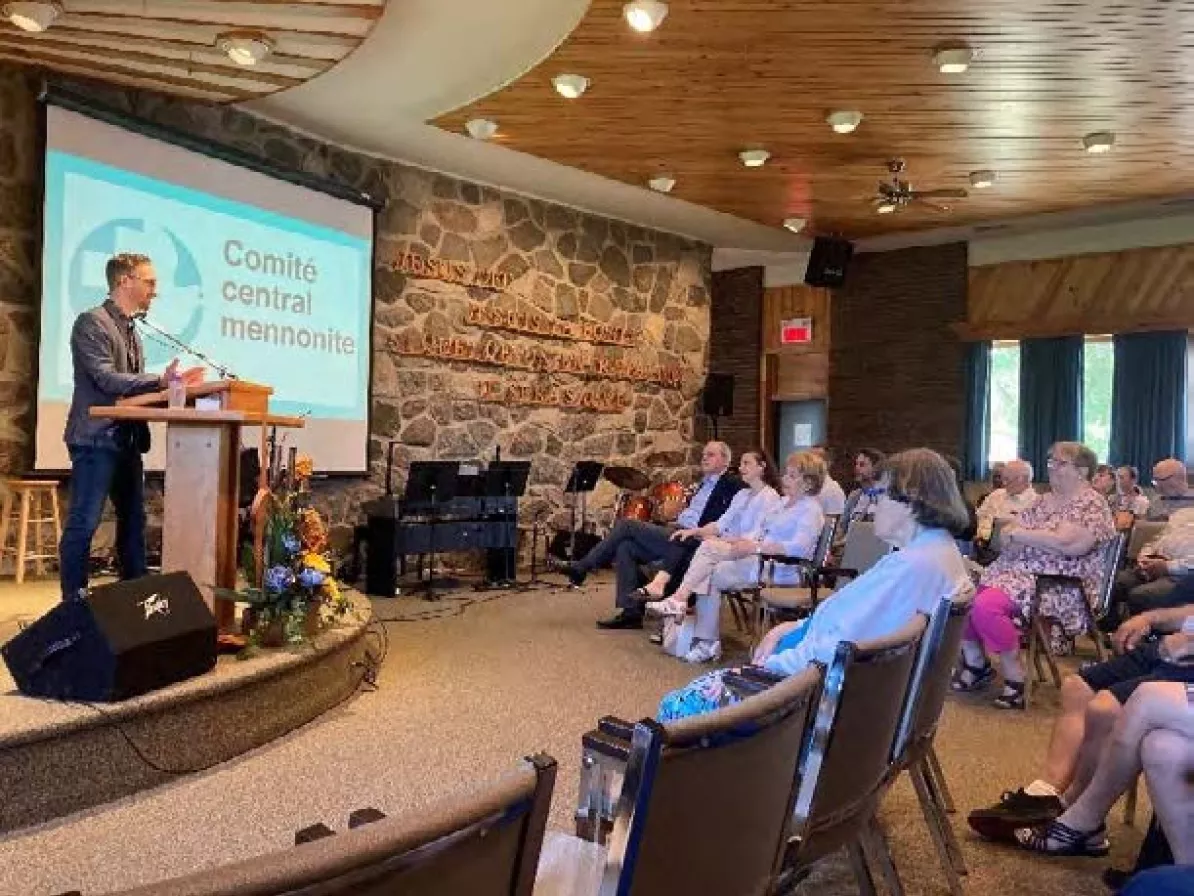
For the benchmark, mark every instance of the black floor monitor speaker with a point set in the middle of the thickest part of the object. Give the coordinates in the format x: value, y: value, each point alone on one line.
x: 124, y: 640
x: 828, y: 261
x: 718, y: 398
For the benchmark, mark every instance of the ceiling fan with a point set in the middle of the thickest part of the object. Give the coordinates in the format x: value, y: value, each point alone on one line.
x: 899, y: 194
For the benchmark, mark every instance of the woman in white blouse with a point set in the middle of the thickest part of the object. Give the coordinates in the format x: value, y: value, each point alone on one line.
x: 743, y: 519
x: 791, y: 528
x: 918, y: 512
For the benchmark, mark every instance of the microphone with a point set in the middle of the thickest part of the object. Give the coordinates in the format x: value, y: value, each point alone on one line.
x: 222, y: 369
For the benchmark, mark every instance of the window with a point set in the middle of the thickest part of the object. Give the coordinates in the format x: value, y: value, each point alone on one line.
x: 1098, y: 368
x: 1005, y: 401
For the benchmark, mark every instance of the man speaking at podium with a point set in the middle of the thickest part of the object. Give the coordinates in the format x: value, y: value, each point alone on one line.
x: 105, y: 455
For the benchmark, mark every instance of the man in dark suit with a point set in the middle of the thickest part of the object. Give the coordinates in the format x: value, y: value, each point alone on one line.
x: 631, y: 542
x: 106, y: 455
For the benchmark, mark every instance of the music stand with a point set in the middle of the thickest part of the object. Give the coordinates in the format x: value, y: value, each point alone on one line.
x: 505, y: 482
x: 581, y: 482
x: 434, y: 483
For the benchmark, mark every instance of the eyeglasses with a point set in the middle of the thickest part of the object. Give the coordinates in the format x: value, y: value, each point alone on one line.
x: 1054, y: 463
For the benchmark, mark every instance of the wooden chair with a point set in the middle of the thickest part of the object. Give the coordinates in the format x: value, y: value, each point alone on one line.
x: 744, y: 602
x: 862, y: 550
x: 847, y: 763
x: 36, y: 504
x: 1038, y: 625
x: 914, y: 752
x: 705, y: 802
x: 483, y: 844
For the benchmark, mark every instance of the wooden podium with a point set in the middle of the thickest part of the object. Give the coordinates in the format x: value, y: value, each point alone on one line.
x: 199, y: 526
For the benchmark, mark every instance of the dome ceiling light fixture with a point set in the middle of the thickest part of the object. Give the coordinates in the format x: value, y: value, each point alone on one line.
x: 980, y: 180
x: 885, y: 208
x: 481, y: 128
x: 645, y: 15
x: 754, y: 158
x: 1098, y: 141
x: 33, y: 16
x: 662, y: 183
x: 245, y: 47
x: 953, y: 59
x: 570, y: 87
x: 844, y: 121
x: 795, y: 224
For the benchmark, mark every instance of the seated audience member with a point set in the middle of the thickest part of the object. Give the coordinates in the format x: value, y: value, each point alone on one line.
x: 1103, y: 481
x: 1152, y: 583
x: 742, y: 521
x: 918, y: 512
x: 833, y: 496
x: 1091, y: 702
x: 1130, y: 502
x: 1062, y: 533
x: 792, y: 528
x: 1005, y: 504
x: 860, y: 504
x: 1154, y: 735
x: 632, y: 542
x: 1173, y: 489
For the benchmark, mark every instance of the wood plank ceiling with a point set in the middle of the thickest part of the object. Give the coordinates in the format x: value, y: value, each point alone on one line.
x: 170, y: 45
x: 721, y: 76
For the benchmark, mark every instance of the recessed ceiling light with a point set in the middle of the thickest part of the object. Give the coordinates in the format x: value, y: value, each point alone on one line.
x: 795, y: 224
x: 1098, y: 141
x: 645, y: 15
x: 481, y: 128
x: 953, y: 59
x: 885, y: 208
x: 31, y: 16
x: 980, y: 180
x: 754, y: 158
x: 844, y: 121
x: 662, y: 183
x: 570, y: 86
x: 245, y: 47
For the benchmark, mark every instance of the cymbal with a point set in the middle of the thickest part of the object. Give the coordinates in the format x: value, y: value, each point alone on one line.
x: 627, y: 477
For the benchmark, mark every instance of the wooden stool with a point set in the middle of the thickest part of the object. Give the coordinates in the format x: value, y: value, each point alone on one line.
x: 33, y: 496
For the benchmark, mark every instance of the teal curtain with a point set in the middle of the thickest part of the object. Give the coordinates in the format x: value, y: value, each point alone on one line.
x: 1148, y: 398
x: 1050, y: 396
x: 976, y: 440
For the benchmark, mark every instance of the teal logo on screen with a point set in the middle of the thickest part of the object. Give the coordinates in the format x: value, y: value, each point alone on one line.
x: 178, y: 307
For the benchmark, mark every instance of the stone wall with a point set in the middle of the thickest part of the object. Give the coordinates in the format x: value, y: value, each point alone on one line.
x: 566, y: 263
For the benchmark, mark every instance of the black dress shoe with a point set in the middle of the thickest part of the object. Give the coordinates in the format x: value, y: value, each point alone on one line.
x: 623, y: 620
x: 576, y: 575
x: 1015, y: 809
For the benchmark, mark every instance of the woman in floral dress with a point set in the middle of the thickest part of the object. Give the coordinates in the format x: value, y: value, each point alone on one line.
x: 1064, y: 533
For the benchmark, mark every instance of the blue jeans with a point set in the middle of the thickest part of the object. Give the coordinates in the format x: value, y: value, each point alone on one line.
x: 96, y: 474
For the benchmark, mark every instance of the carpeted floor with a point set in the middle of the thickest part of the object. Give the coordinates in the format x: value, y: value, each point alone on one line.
x: 462, y: 698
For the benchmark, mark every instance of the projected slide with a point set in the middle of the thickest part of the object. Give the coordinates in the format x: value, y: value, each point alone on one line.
x: 263, y: 284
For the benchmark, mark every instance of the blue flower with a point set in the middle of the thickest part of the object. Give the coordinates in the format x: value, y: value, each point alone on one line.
x: 278, y: 579
x: 311, y: 578
x: 291, y: 543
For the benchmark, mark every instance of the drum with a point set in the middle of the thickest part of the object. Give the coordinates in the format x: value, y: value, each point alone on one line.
x: 669, y: 498
x: 636, y: 507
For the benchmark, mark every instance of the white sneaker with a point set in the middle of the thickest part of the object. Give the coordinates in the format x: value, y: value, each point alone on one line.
x: 704, y: 652
x: 669, y: 606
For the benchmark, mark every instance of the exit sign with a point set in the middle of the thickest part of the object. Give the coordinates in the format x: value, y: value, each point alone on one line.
x: 797, y: 331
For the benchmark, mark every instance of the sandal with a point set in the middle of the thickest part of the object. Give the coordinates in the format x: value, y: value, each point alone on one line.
x: 644, y: 596
x: 1012, y: 697
x: 1057, y: 839
x: 980, y: 677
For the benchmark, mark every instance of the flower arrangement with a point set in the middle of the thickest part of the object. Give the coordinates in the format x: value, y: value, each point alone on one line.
x: 291, y: 590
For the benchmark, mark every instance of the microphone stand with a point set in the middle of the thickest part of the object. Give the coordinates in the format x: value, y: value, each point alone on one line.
x: 221, y: 369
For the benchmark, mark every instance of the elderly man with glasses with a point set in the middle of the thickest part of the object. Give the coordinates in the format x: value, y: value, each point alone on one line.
x: 1171, y: 481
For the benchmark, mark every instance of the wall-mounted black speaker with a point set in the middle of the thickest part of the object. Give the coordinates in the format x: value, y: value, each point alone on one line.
x: 718, y: 398
x: 828, y: 261
x: 123, y: 640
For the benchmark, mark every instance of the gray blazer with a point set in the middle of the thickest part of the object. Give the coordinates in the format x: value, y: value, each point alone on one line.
x: 108, y: 359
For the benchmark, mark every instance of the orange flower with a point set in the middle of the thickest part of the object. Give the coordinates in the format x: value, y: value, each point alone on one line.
x: 304, y: 467
x: 312, y: 532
